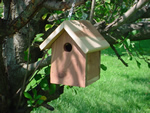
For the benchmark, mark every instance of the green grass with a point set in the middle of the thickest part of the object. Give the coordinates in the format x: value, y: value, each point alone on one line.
x: 120, y: 90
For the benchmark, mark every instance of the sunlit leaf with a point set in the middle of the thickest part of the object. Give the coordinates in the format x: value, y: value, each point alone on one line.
x: 128, y: 42
x: 134, y: 32
x: 38, y: 38
x: 44, y: 16
x: 133, y: 44
x: 108, y: 1
x: 121, y: 46
x: 48, y: 26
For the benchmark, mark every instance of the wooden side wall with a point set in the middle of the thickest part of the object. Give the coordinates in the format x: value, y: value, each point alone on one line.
x: 92, y: 67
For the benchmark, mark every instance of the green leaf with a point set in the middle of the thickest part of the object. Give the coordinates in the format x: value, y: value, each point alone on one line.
x: 108, y: 1
x: 128, y: 42
x: 119, y: 40
x: 134, y: 32
x: 121, y: 46
x: 44, y: 16
x: 44, y: 98
x: 52, y: 88
x: 39, y: 102
x: 47, y: 70
x: 34, y: 93
x: 39, y: 96
x: 133, y: 44
x: 48, y: 26
x: 39, y: 35
x: 28, y: 87
x: 44, y: 85
x: 138, y: 64
x: 27, y: 95
x: 103, y: 67
x: 29, y: 103
x: 33, y: 83
x: 38, y: 38
x: 88, y: 3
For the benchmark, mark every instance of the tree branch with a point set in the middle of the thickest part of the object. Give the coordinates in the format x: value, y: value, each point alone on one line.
x: 92, y: 10
x: 33, y: 7
x: 32, y: 66
x: 16, y: 24
x: 141, y: 13
x: 119, y: 57
x: 59, y: 5
x: 126, y: 16
x: 142, y: 29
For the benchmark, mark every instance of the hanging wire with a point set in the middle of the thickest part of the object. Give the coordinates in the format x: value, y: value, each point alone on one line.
x: 71, y: 10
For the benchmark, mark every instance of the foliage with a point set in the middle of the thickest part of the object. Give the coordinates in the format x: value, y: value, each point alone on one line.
x: 109, y: 10
x: 35, y: 100
x: 39, y: 78
x: 134, y: 49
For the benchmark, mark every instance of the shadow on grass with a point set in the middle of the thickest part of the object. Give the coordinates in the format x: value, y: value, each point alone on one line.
x: 145, y: 81
x: 87, y: 107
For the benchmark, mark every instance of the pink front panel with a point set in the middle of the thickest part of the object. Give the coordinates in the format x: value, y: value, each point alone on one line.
x: 67, y: 67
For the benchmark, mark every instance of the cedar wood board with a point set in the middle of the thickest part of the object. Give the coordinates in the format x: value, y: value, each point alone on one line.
x: 82, y: 32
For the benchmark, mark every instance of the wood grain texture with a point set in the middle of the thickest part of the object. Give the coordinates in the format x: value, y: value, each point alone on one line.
x: 67, y: 68
x: 92, y: 67
x: 82, y: 32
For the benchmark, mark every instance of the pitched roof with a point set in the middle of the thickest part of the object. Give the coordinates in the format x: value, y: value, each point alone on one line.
x: 82, y: 32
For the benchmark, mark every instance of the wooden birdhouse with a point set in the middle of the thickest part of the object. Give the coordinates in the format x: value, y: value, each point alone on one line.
x: 76, y: 47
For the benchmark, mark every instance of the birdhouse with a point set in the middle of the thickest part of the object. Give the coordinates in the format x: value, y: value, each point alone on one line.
x: 76, y: 47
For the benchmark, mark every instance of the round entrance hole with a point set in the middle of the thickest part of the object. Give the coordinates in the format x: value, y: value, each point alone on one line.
x: 67, y: 47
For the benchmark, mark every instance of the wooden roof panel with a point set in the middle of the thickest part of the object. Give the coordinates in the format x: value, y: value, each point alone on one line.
x: 82, y: 32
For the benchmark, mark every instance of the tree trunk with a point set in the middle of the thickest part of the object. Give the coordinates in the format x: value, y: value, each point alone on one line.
x: 12, y: 72
x: 4, y: 94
